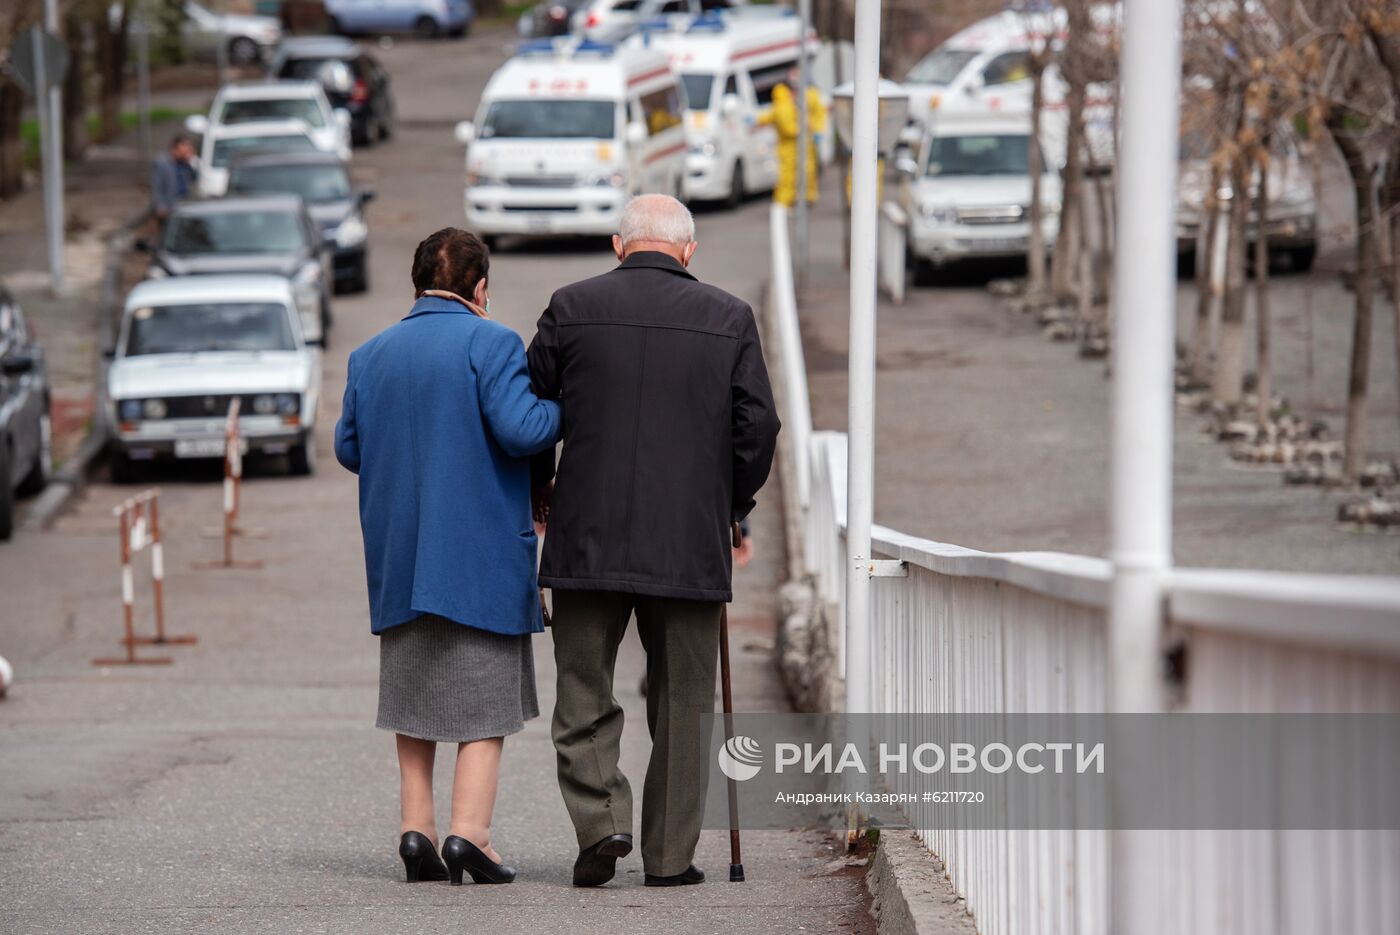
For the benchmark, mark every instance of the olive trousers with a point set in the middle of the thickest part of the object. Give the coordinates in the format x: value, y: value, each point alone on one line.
x: 681, y: 638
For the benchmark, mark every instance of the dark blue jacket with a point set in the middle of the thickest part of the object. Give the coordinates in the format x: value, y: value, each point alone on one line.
x: 438, y: 421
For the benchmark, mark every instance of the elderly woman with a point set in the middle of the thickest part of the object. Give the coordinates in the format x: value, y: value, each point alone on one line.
x: 438, y: 421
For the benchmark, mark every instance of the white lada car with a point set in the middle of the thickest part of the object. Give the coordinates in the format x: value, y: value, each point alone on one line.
x: 188, y: 346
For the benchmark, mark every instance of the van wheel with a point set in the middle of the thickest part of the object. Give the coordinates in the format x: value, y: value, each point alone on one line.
x: 426, y: 27
x: 301, y: 460
x: 122, y: 469
x: 737, y: 189
x: 7, y: 495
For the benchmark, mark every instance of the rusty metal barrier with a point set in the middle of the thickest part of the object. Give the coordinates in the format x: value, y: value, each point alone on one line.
x: 233, y: 491
x: 138, y: 527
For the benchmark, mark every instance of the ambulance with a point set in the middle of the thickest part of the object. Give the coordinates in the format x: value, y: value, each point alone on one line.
x: 985, y: 69
x: 567, y: 131
x: 730, y: 64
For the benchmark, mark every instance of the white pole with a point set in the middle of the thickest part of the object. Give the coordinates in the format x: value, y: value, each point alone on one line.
x: 1145, y: 291
x: 860, y: 471
x: 804, y: 133
x: 48, y: 107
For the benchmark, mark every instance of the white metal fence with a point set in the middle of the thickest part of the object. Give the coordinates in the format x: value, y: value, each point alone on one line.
x: 974, y: 632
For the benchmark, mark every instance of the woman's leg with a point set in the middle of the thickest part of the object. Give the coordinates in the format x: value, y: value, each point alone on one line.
x: 474, y: 791
x: 416, y: 786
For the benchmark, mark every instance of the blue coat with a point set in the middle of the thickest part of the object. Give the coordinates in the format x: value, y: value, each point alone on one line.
x: 438, y: 421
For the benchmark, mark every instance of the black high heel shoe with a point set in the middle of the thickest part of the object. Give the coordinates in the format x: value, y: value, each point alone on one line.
x: 461, y: 854
x: 420, y: 861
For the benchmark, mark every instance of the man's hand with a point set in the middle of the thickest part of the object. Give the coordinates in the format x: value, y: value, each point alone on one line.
x: 540, y: 499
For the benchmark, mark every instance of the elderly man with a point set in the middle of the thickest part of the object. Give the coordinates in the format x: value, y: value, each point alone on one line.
x: 669, y: 430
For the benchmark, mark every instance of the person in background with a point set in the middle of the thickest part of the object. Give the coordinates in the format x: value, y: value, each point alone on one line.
x: 438, y: 421
x: 172, y: 177
x: 783, y: 116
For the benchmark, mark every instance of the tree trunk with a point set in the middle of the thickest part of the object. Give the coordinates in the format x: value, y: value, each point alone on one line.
x: 111, y: 68
x: 1228, y: 383
x: 1363, y: 186
x: 1390, y: 206
x: 1064, y: 262
x: 1263, y: 384
x: 75, y: 139
x: 1205, y: 287
x: 11, y: 148
x: 1035, y: 248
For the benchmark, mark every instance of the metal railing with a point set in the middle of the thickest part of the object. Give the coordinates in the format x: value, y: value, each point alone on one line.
x: 1027, y: 632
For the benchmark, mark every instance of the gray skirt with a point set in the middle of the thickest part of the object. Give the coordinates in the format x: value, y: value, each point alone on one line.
x: 440, y: 680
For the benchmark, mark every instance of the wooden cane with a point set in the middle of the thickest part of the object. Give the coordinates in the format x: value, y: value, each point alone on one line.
x: 736, y: 861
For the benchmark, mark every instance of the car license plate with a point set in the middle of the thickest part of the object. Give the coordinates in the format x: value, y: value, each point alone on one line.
x: 540, y: 223
x: 199, y: 447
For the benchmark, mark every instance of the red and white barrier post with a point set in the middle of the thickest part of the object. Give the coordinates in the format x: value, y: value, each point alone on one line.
x: 233, y: 490
x: 138, y: 527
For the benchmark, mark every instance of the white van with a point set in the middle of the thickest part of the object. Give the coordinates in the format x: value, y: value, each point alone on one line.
x: 985, y: 69
x: 566, y: 132
x: 730, y: 65
x: 969, y: 190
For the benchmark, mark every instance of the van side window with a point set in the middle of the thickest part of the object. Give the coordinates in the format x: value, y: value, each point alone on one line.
x: 662, y: 109
x: 731, y: 86
x: 674, y: 6
x: 1006, y: 68
x: 767, y: 78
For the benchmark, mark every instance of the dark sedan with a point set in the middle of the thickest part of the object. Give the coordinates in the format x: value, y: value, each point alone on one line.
x: 322, y: 181
x: 26, y: 432
x: 266, y: 234
x: 353, y: 79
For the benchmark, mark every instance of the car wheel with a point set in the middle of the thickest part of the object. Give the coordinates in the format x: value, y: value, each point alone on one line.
x: 122, y: 469
x: 737, y: 189
x: 243, y: 51
x: 301, y: 460
x: 492, y: 242
x: 426, y: 27
x: 1303, y: 258
x: 386, y: 127
x: 41, y: 472
x: 924, y: 272
x: 7, y: 495
x: 362, y: 280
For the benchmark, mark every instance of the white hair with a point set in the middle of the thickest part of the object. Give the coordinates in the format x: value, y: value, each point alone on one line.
x: 657, y: 218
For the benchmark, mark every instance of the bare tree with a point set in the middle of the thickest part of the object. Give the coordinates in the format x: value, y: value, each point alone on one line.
x: 1075, y: 69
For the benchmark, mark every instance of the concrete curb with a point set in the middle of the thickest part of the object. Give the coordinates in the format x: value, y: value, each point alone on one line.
x: 68, y: 481
x: 911, y: 895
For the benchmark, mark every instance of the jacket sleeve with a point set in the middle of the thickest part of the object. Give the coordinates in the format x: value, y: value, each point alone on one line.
x: 347, y: 435
x: 521, y: 423
x: 547, y: 381
x: 754, y: 421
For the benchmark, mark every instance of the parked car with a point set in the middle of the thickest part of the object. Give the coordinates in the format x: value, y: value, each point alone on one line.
x: 306, y: 101
x: 322, y: 181
x: 267, y: 234
x: 221, y: 143
x: 247, y: 39
x: 548, y: 18
x: 1292, y: 202
x: 426, y: 18
x: 352, y: 78
x: 26, y: 432
x: 614, y: 20
x: 969, y: 192
x: 189, y: 345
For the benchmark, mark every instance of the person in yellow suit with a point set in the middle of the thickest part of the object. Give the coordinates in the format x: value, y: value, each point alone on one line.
x: 783, y: 116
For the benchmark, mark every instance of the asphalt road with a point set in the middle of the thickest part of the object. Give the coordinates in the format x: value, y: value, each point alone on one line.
x: 244, y: 789
x: 991, y: 437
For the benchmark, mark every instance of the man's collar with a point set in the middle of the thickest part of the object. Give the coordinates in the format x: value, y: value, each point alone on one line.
x: 654, y: 259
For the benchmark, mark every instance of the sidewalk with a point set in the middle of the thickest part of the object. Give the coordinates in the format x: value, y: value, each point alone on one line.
x: 101, y: 192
